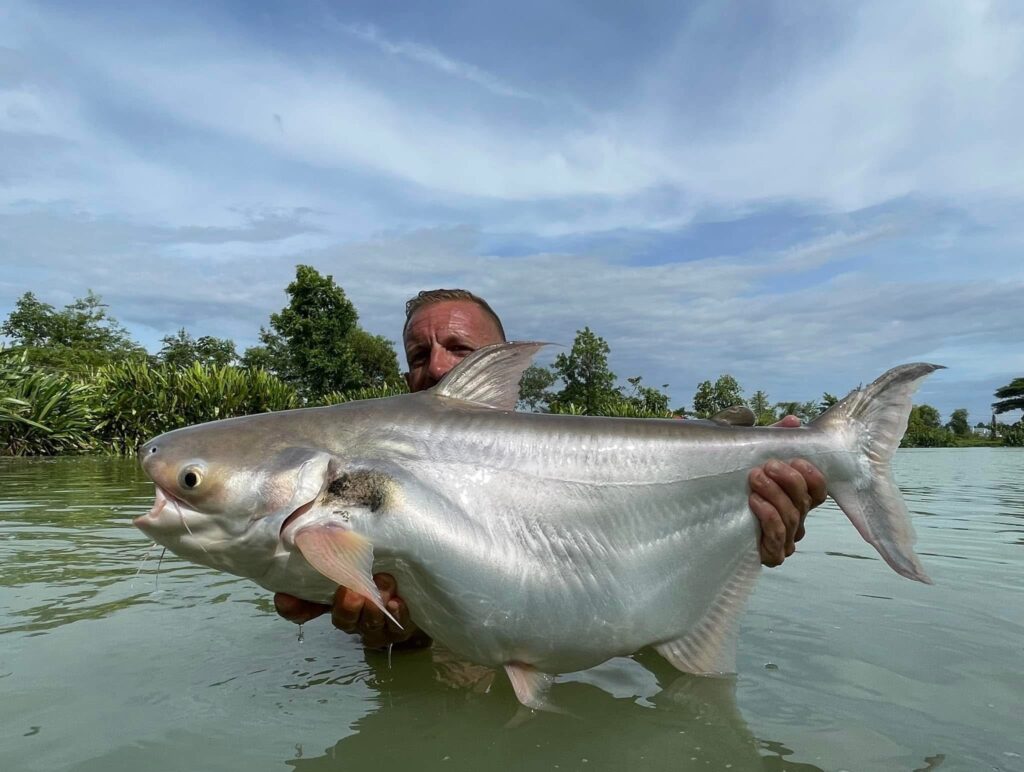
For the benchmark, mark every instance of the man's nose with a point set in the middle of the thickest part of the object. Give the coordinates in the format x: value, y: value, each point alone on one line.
x: 441, y: 361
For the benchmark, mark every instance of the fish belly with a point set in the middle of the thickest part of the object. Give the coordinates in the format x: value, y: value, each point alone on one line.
x: 570, y: 575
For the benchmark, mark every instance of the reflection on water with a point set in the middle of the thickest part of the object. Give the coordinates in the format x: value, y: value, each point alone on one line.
x: 842, y: 665
x: 687, y: 723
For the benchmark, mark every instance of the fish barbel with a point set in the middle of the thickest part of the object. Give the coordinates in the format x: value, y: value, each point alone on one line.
x: 541, y: 543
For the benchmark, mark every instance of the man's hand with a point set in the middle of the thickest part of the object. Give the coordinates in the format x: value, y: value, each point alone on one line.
x: 781, y: 495
x: 351, y: 613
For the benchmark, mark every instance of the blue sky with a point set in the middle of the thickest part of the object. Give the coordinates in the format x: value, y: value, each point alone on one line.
x: 800, y: 194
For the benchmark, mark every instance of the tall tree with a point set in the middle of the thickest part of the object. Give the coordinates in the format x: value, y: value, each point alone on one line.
x: 827, y: 401
x: 1010, y: 396
x: 711, y: 399
x: 787, y: 408
x: 375, y: 356
x: 925, y: 430
x: 762, y: 408
x: 584, y: 371
x: 647, y: 400
x: 958, y: 423
x: 809, y: 410
x: 181, y: 350
x: 32, y: 323
x: 82, y: 333
x: 535, y: 388
x: 316, y: 344
x: 257, y: 357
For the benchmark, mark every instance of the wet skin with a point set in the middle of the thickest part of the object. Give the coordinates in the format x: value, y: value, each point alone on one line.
x: 437, y: 338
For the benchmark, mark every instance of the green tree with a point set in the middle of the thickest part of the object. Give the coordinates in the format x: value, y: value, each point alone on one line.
x: 316, y: 344
x: 257, y: 357
x: 1010, y: 396
x: 82, y: 334
x: 827, y: 401
x: 762, y: 409
x: 375, y: 356
x: 958, y: 423
x: 535, y: 388
x: 588, y: 383
x: 32, y: 323
x: 1013, y: 435
x: 711, y: 399
x: 809, y: 411
x: 805, y: 411
x: 182, y: 350
x: 647, y: 400
x: 925, y: 430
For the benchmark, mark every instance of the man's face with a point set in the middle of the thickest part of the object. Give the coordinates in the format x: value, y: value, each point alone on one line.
x: 441, y: 335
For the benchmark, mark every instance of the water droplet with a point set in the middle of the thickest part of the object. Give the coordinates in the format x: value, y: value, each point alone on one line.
x: 301, y: 638
x: 770, y: 666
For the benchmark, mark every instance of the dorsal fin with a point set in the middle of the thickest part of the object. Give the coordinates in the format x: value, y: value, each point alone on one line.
x: 490, y: 375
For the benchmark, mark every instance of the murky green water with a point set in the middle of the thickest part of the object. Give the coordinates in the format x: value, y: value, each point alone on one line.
x: 843, y: 665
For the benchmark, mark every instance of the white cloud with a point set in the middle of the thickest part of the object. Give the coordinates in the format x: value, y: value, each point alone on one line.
x: 433, y: 58
x: 183, y: 168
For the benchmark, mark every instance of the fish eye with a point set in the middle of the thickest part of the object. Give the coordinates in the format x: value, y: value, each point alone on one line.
x: 190, y: 477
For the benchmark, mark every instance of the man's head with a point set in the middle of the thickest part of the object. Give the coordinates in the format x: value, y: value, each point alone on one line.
x: 443, y: 327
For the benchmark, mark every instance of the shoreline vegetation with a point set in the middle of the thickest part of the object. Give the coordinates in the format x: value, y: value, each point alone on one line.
x: 73, y: 381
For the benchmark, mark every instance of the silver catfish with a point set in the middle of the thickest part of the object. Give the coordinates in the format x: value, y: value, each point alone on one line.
x: 541, y: 543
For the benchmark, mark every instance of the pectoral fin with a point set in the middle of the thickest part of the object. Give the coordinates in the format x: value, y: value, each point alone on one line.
x: 343, y: 556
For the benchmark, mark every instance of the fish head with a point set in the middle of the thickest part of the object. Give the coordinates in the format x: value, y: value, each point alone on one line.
x: 222, y: 496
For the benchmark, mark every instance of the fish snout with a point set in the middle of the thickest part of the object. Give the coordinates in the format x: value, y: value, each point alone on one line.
x: 160, y: 466
x: 148, y: 452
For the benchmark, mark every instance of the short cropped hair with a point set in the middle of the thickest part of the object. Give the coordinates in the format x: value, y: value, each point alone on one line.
x: 428, y: 297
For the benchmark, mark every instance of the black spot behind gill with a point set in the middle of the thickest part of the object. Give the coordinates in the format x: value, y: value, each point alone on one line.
x: 365, y: 487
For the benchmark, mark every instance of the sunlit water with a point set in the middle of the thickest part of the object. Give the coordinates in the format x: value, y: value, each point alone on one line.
x: 842, y: 664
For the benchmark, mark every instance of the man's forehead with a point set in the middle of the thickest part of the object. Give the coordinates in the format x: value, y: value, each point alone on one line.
x: 449, y: 317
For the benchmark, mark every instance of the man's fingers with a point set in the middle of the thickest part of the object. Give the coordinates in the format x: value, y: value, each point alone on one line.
x: 773, y: 532
x: 778, y: 498
x: 814, y: 479
x: 794, y: 487
x: 386, y: 584
x: 797, y: 500
x: 346, y: 609
x: 297, y: 610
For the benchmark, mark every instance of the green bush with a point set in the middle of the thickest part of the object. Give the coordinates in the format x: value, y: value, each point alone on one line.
x: 366, y: 392
x: 615, y: 408
x: 42, y: 413
x: 140, y: 402
x: 1014, y: 435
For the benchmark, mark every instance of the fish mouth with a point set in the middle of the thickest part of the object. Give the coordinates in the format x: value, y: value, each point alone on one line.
x: 150, y: 518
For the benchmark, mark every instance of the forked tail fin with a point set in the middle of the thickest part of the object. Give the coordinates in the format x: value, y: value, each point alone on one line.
x: 871, y: 421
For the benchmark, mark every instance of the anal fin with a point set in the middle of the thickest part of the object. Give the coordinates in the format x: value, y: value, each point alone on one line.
x: 710, y: 648
x: 344, y: 557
